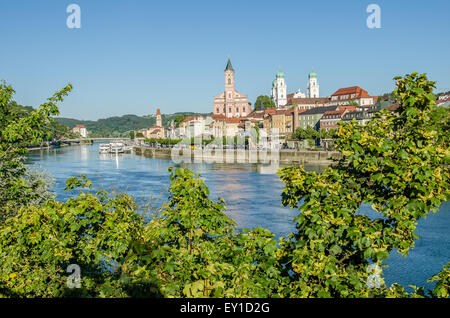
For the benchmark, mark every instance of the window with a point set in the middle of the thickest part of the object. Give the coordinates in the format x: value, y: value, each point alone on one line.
x: 229, y: 81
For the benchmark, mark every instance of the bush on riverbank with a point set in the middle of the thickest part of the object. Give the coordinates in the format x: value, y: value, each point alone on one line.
x: 17, y: 131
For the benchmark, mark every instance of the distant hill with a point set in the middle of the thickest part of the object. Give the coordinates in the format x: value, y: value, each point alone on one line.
x: 120, y: 126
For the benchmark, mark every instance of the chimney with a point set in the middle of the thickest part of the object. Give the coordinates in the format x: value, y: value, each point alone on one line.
x: 295, y: 112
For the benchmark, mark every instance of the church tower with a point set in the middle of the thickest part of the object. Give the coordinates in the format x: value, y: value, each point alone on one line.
x: 158, y: 118
x: 312, y: 90
x: 229, y: 89
x: 231, y: 103
x: 229, y: 77
x: 279, y: 90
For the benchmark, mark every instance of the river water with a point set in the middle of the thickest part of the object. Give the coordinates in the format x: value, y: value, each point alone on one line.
x: 252, y: 193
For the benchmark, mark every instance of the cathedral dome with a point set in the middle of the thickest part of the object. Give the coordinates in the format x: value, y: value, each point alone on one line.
x: 280, y: 74
x: 312, y: 75
x: 274, y: 83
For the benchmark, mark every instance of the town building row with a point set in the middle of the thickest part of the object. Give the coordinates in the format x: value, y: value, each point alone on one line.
x: 232, y: 114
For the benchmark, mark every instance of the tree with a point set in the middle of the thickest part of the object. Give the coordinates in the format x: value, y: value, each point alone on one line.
x: 308, y: 133
x: 188, y: 248
x: 17, y: 130
x: 96, y: 232
x: 440, y: 116
x: 396, y: 164
x: 197, y: 253
x: 179, y: 118
x: 266, y: 101
x: 331, y: 133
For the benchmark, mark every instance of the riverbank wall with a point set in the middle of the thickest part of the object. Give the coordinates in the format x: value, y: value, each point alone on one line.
x: 240, y: 156
x: 61, y: 144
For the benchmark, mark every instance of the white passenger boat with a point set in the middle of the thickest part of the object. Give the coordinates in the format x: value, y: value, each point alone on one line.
x: 117, y: 147
x: 104, y: 148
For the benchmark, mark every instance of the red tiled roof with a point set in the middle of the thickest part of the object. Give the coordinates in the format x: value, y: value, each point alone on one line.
x: 358, y: 91
x: 256, y: 114
x: 307, y: 101
x: 189, y: 118
x: 221, y: 117
x: 346, y: 107
x: 333, y: 112
x: 393, y: 106
x: 270, y: 111
x: 217, y: 116
x: 234, y: 119
x: 279, y: 112
x: 291, y: 111
x: 444, y: 98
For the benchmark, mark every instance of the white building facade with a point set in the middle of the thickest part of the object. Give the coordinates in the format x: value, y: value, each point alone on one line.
x: 279, y: 90
x: 299, y: 94
x: 312, y: 90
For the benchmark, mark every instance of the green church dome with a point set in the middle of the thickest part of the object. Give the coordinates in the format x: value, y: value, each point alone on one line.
x: 280, y: 74
x: 274, y: 83
x: 312, y: 75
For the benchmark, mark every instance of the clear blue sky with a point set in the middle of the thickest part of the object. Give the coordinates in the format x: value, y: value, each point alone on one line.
x: 131, y: 57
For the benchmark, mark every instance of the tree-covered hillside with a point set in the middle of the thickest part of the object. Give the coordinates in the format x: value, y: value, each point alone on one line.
x: 119, y: 126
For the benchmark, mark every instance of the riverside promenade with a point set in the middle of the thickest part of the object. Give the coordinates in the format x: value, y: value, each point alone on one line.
x: 284, y: 156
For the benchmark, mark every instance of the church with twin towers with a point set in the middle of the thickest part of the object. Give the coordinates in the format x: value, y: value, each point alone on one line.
x: 279, y: 93
x: 232, y: 104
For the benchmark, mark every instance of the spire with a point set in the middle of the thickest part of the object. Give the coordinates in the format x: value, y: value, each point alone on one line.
x: 229, y: 67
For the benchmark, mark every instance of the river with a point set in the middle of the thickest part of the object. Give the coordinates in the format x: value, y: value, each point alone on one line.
x: 252, y: 193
